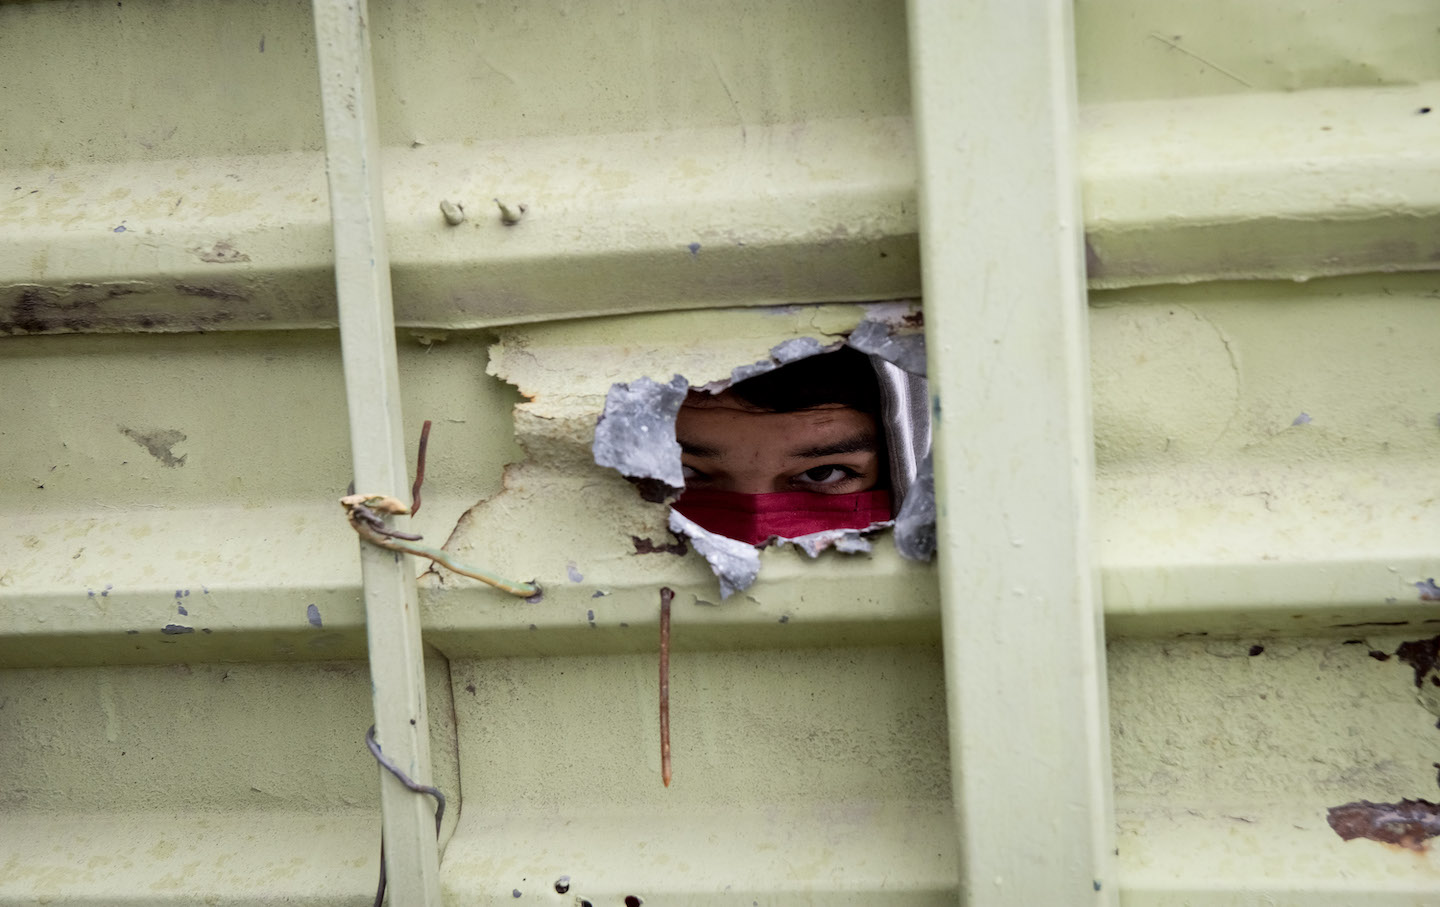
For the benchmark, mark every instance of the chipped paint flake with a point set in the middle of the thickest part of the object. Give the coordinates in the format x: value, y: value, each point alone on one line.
x: 1409, y: 823
x: 222, y: 252
x: 1421, y: 655
x: 159, y: 442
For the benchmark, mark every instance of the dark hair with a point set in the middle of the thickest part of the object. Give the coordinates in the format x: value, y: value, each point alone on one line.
x: 844, y: 376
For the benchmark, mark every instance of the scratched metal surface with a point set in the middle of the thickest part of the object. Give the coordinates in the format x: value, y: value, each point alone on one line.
x: 1229, y: 754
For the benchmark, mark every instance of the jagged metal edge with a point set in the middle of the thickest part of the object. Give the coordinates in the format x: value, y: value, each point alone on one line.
x: 845, y: 541
x: 636, y: 432
x: 876, y: 339
x: 915, y: 523
x: 736, y: 564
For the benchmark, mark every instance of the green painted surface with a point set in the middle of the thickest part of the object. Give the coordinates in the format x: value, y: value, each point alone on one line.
x: 1264, y: 453
x: 1138, y: 49
x: 1231, y: 751
x: 810, y: 738
x: 192, y: 782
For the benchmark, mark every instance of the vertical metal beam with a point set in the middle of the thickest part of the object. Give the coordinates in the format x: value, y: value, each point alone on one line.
x: 372, y: 389
x: 1001, y: 244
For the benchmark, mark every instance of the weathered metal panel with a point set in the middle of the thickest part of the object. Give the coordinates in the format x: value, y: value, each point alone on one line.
x: 182, y: 711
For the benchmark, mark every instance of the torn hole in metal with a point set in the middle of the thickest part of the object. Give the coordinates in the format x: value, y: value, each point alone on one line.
x: 822, y: 445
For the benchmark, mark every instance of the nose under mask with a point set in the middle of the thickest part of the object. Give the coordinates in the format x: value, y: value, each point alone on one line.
x: 754, y: 518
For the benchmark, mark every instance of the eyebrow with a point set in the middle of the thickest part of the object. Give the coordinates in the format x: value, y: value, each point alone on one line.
x: 861, y: 443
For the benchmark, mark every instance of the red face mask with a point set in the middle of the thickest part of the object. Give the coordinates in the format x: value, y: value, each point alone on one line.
x: 753, y: 518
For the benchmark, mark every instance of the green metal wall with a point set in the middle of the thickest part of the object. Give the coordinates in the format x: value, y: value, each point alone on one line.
x: 182, y: 630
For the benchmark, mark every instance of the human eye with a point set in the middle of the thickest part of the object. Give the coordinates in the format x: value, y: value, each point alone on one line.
x: 693, y: 475
x: 825, y: 476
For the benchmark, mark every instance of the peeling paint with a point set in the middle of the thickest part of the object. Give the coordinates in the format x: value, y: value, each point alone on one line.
x: 222, y: 252
x: 636, y: 435
x: 1421, y: 655
x: 1409, y: 823
x: 648, y: 546
x: 897, y: 313
x: 159, y: 442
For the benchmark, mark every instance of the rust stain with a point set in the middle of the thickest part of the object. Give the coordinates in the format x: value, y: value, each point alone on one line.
x: 648, y: 546
x: 1409, y: 823
x: 654, y: 491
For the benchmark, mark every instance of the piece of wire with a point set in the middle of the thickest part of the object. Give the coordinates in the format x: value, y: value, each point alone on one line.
x: 364, y: 513
x: 419, y: 469
x: 413, y: 785
x: 405, y: 779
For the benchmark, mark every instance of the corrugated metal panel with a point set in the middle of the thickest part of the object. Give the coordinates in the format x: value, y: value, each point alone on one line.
x: 182, y: 712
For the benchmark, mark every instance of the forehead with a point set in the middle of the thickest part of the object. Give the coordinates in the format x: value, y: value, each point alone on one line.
x: 733, y: 422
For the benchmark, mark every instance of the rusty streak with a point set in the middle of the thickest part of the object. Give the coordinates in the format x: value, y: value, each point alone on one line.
x: 419, y: 469
x: 648, y: 546
x: 1409, y: 823
x: 666, y: 595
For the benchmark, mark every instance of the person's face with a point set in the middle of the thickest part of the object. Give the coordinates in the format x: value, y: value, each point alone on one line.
x: 728, y: 446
